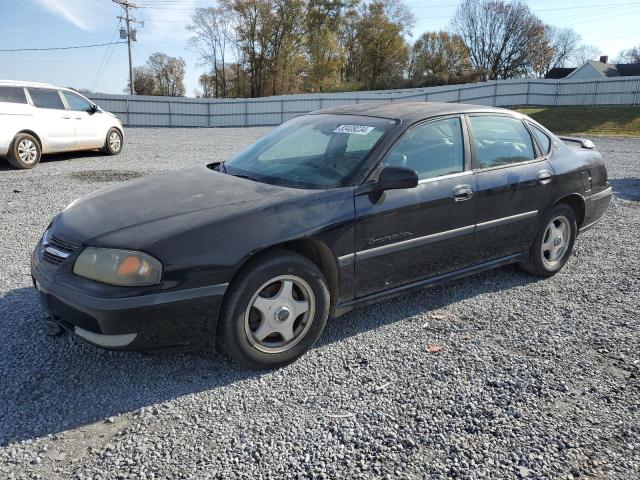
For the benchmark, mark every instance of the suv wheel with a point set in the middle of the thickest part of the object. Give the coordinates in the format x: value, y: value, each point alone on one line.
x: 113, y: 143
x: 275, y: 310
x: 25, y: 151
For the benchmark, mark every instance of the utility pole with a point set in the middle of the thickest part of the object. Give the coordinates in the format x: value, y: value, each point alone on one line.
x: 128, y: 19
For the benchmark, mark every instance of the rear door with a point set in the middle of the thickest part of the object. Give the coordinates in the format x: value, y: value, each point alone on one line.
x: 89, y: 124
x: 55, y: 123
x: 514, y: 181
x: 412, y: 234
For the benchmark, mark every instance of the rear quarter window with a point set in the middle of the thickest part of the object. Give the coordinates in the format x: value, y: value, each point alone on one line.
x: 12, y: 95
x: 543, y: 139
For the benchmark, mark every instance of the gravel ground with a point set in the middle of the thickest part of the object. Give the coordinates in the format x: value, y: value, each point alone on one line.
x: 537, y: 378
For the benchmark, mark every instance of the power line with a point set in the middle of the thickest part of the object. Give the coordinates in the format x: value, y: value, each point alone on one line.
x: 106, y: 52
x: 57, y: 48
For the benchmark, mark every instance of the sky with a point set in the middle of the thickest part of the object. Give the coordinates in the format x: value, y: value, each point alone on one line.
x: 610, y: 25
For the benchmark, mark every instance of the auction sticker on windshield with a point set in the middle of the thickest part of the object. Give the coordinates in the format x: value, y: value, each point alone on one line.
x: 353, y: 129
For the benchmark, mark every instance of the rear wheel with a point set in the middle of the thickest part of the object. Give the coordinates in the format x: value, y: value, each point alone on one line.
x: 274, y: 312
x: 553, y: 243
x: 113, y: 143
x: 25, y: 151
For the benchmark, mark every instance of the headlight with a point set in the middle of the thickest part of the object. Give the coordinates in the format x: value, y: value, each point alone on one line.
x: 118, y: 267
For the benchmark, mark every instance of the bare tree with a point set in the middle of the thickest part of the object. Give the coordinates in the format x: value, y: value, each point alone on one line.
x: 584, y: 53
x: 630, y: 56
x: 211, y: 33
x: 500, y: 37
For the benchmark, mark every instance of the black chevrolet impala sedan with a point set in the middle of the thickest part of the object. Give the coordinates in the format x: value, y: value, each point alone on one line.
x: 331, y: 210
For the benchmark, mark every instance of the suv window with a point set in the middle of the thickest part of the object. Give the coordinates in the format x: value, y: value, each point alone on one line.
x: 432, y: 149
x: 501, y: 140
x: 543, y: 139
x: 76, y: 102
x: 12, y: 95
x: 46, y: 98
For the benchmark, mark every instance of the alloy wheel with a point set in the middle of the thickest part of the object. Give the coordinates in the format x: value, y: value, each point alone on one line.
x: 115, y: 142
x: 27, y: 151
x: 555, y: 241
x: 279, y: 314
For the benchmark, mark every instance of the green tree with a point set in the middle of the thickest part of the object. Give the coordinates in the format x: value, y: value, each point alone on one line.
x: 168, y: 73
x: 438, y: 58
x: 381, y: 47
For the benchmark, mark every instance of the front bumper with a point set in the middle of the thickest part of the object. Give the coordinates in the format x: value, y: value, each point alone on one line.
x: 144, y: 321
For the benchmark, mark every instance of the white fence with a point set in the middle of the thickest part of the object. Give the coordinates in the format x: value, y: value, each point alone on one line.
x: 150, y: 111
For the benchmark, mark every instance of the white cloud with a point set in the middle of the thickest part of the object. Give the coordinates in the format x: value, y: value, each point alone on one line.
x: 77, y: 12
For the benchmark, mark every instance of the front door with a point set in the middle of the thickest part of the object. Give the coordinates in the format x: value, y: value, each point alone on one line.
x: 514, y: 182
x: 89, y: 129
x: 412, y: 234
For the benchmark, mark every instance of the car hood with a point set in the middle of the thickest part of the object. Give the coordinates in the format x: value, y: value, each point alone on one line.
x: 136, y: 213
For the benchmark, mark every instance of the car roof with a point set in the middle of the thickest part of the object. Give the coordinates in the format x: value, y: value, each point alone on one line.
x: 18, y: 83
x: 411, y: 111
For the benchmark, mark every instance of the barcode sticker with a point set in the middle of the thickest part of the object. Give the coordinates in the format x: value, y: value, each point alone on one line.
x: 353, y: 129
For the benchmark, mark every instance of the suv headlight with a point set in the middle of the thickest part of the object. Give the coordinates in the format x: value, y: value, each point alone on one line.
x: 118, y: 267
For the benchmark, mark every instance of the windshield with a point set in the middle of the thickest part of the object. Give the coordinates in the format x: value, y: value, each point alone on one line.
x: 311, y: 151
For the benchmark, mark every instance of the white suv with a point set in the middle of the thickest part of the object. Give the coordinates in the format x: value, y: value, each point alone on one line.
x: 37, y: 118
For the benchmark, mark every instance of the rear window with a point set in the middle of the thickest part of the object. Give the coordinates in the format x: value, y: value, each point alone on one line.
x: 46, y: 98
x: 12, y: 95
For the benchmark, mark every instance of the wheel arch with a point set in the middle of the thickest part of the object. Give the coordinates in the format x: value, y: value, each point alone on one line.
x: 576, y: 202
x: 34, y: 135
x: 316, y: 251
x: 113, y: 127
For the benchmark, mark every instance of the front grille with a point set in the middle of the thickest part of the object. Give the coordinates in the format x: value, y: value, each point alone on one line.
x: 55, y: 250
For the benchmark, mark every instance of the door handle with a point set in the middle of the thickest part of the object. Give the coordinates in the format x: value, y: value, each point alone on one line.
x: 462, y: 193
x: 544, y: 177
x: 66, y: 117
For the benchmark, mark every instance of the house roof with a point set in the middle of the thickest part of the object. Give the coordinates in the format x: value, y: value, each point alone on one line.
x: 557, y: 73
x: 607, y: 70
x: 629, y: 69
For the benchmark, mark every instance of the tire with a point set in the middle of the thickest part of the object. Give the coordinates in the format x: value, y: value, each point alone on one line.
x: 253, y: 339
x: 552, y: 245
x: 113, y: 142
x: 25, y: 151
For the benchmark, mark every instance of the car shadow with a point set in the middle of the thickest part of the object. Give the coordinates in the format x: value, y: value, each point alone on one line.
x: 58, y: 157
x: 54, y: 384
x: 626, y: 188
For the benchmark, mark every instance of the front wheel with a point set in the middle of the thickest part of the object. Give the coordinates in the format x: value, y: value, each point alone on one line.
x: 25, y: 151
x: 275, y: 311
x: 113, y: 143
x: 553, y: 243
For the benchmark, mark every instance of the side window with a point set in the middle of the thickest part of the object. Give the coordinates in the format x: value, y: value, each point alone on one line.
x: 432, y: 149
x: 500, y: 140
x: 12, y: 95
x: 76, y: 102
x: 46, y: 98
x: 543, y: 139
